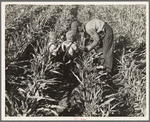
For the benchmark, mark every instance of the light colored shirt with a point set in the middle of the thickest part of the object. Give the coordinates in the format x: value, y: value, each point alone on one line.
x: 95, y: 24
x: 72, y: 48
x: 53, y: 48
x: 93, y: 27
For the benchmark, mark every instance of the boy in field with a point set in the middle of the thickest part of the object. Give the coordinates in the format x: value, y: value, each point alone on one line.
x: 53, y: 45
x: 69, y: 47
x: 69, y: 52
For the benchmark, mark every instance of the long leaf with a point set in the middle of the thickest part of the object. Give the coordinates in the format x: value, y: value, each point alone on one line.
x: 107, y: 102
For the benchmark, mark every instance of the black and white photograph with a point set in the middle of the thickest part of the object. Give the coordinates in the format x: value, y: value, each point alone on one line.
x: 75, y: 60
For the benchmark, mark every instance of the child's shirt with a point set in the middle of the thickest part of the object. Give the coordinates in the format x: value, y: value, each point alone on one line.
x: 53, y: 48
x: 72, y: 47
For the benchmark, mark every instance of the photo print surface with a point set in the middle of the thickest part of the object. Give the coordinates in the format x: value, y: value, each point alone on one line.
x: 78, y: 60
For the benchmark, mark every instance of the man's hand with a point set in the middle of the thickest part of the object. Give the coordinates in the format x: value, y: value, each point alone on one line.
x: 95, y: 37
x: 88, y: 48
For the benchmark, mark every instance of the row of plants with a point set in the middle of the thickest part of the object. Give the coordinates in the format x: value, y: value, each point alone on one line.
x: 37, y: 85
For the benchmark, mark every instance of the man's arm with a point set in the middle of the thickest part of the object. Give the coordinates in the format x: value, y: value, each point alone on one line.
x: 96, y: 38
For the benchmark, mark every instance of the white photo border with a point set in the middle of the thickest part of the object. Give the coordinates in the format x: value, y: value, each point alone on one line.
x: 69, y: 118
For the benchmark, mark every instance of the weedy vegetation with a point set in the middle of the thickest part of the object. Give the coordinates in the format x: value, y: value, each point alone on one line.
x: 37, y: 84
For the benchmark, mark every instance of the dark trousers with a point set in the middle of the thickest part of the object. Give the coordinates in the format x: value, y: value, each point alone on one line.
x: 107, y: 48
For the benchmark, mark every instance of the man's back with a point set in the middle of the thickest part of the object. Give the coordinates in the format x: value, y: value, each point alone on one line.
x: 95, y: 24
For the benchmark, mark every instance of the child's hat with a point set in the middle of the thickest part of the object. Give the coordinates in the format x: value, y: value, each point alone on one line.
x: 71, y: 34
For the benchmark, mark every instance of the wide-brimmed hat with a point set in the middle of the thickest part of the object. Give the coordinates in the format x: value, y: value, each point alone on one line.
x: 71, y: 35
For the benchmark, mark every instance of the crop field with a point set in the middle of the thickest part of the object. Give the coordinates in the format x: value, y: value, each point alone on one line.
x: 37, y: 85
